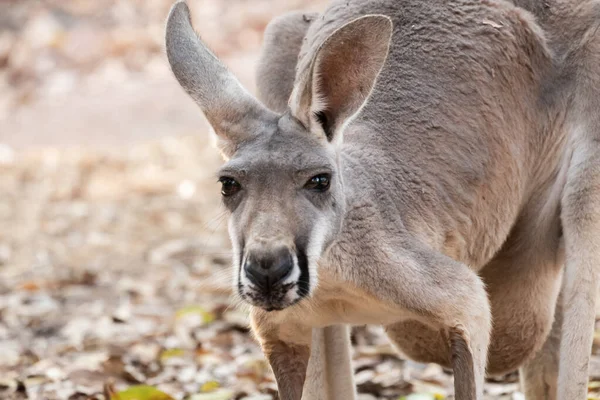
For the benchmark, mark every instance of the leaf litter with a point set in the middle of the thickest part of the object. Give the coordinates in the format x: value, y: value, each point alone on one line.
x: 114, y: 278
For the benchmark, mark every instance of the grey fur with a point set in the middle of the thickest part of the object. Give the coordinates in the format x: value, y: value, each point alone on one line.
x: 464, y: 176
x: 284, y: 33
x: 232, y: 112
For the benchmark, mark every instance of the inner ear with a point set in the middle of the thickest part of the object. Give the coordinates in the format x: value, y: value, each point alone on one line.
x: 342, y: 74
x: 324, y: 120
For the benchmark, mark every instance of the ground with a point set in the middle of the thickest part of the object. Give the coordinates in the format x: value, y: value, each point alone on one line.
x: 113, y: 249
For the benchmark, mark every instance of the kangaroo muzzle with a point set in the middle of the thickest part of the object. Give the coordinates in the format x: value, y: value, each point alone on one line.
x: 267, y: 270
x: 270, y: 276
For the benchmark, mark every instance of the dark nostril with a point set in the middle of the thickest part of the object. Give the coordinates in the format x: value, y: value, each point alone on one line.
x: 282, y: 268
x: 267, y: 271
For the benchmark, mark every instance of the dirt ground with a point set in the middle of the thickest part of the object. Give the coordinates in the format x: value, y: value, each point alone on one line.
x: 114, y: 256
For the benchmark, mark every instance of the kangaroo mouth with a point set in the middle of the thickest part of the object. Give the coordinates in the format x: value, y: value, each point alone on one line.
x: 278, y: 297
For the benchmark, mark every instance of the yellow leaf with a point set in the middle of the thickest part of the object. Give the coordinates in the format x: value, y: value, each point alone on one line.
x: 207, y: 316
x: 171, y: 353
x: 141, y: 392
x: 209, y: 386
x: 594, y: 385
x: 222, y: 394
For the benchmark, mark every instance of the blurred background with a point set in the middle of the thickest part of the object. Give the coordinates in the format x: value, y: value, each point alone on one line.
x: 113, y: 248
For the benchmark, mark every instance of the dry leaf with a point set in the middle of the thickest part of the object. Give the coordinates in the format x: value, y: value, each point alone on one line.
x: 141, y: 392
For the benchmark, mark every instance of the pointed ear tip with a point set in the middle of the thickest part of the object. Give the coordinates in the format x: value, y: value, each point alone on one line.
x: 178, y: 10
x: 373, y: 24
x: 178, y: 22
x: 383, y: 21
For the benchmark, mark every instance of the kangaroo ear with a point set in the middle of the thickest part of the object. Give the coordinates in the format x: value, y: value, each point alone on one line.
x: 233, y: 112
x: 342, y: 75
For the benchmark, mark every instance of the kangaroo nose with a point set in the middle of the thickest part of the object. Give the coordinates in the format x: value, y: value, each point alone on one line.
x: 269, y: 269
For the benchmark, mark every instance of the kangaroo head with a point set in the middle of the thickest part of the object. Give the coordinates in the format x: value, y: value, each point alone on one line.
x: 282, y: 182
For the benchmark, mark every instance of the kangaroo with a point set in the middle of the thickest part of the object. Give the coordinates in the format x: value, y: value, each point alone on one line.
x: 431, y: 167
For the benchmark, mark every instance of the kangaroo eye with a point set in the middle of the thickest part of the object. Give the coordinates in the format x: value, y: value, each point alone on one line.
x: 318, y: 183
x: 229, y: 186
